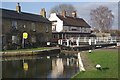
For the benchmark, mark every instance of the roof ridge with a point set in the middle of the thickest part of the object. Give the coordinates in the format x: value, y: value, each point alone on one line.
x: 23, y: 15
x: 20, y: 12
x: 71, y: 21
x: 70, y: 17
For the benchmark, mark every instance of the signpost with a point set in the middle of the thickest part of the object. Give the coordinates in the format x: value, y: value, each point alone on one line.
x: 25, y: 36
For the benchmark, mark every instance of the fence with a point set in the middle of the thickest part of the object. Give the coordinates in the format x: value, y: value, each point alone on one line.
x: 98, y: 39
x: 88, y: 40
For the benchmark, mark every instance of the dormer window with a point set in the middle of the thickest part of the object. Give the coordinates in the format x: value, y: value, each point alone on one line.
x: 14, y: 24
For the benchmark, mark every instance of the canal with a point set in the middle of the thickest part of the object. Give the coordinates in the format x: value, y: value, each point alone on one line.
x: 52, y: 66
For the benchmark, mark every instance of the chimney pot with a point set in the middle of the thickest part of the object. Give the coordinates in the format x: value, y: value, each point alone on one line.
x: 43, y: 12
x: 63, y: 13
x: 74, y: 14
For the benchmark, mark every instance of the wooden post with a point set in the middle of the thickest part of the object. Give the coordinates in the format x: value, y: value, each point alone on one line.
x: 61, y: 41
x: 77, y: 42
x: 95, y: 42
x: 67, y: 42
x: 90, y: 45
x: 90, y: 42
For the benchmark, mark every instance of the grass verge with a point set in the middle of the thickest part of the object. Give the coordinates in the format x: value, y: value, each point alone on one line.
x: 106, y: 58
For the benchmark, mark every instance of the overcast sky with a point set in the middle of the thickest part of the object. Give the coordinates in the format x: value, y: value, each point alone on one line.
x: 83, y: 8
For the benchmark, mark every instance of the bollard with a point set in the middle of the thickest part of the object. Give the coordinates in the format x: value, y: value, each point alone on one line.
x: 89, y: 51
x: 98, y: 66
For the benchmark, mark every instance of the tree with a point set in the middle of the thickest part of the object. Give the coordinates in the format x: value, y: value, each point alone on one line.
x: 115, y: 33
x: 59, y: 8
x: 102, y: 18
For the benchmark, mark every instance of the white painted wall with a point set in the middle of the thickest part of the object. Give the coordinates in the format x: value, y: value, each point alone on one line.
x: 60, y: 27
x: 59, y: 23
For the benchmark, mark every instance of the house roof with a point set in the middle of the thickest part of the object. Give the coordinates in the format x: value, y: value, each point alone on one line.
x: 23, y: 16
x: 73, y: 21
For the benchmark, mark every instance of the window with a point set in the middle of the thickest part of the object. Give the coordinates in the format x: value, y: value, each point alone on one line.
x: 54, y: 28
x: 87, y: 30
x: 47, y: 39
x: 14, y: 24
x: 83, y: 30
x: 80, y: 29
x: 33, y: 39
x: 74, y: 28
x: 46, y: 28
x: 33, y: 26
x: 14, y: 39
x: 54, y: 37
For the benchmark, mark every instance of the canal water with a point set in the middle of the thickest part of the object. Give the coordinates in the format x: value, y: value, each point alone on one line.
x: 53, y: 66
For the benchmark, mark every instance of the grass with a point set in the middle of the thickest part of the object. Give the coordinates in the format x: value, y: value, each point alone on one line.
x: 106, y: 58
x: 32, y: 49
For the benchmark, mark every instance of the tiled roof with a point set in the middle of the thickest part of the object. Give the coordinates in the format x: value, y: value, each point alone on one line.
x: 73, y: 21
x: 23, y: 16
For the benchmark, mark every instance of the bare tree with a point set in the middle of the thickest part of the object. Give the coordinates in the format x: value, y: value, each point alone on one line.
x: 102, y: 18
x: 67, y: 7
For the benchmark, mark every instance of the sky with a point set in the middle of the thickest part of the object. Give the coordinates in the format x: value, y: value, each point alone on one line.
x: 83, y: 8
x: 60, y: 0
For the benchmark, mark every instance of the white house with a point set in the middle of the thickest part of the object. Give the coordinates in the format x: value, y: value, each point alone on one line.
x: 66, y: 27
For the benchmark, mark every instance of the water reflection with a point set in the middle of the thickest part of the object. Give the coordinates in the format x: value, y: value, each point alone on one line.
x: 40, y: 67
x: 25, y: 65
x: 57, y: 68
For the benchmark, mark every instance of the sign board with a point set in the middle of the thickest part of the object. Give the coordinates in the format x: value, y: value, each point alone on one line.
x: 25, y: 35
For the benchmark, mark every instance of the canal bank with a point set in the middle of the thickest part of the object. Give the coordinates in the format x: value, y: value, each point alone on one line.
x: 30, y: 52
x: 87, y: 47
x: 107, y: 58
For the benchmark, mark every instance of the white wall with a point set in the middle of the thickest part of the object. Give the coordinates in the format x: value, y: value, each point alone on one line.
x: 59, y: 26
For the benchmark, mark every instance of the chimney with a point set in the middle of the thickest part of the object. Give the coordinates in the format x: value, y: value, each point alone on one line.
x: 74, y: 14
x: 43, y: 12
x: 18, y: 8
x: 63, y: 13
